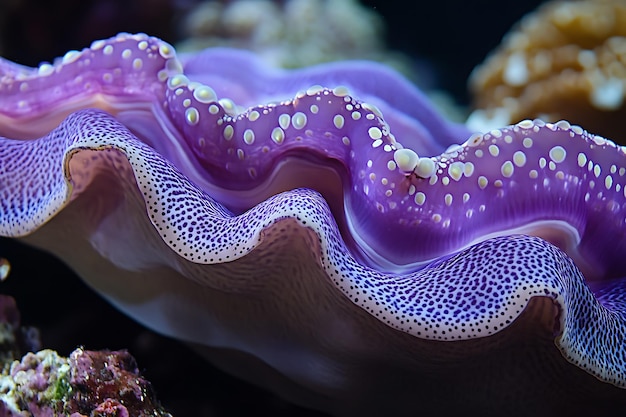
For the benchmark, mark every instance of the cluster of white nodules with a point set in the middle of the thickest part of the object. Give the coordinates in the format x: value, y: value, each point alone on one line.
x: 319, y: 120
x: 126, y: 65
x: 408, y: 161
x: 540, y: 156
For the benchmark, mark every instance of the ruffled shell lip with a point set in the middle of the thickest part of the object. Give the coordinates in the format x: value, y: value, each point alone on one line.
x: 275, y: 208
x: 56, y: 203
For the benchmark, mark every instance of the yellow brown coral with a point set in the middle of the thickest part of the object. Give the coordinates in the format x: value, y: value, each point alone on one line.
x: 567, y: 60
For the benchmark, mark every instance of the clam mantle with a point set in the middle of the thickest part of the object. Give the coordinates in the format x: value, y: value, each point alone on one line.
x: 324, y: 232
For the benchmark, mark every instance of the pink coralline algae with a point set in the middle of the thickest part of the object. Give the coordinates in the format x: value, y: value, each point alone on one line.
x: 88, y: 383
x: 111, y: 380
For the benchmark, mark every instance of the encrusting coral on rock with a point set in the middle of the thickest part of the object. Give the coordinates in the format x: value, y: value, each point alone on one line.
x: 86, y: 384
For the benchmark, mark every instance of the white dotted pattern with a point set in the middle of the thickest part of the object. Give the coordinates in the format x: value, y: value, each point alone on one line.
x: 472, y: 294
x: 455, y: 197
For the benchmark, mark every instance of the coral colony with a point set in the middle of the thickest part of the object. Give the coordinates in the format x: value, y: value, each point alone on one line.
x: 564, y: 61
